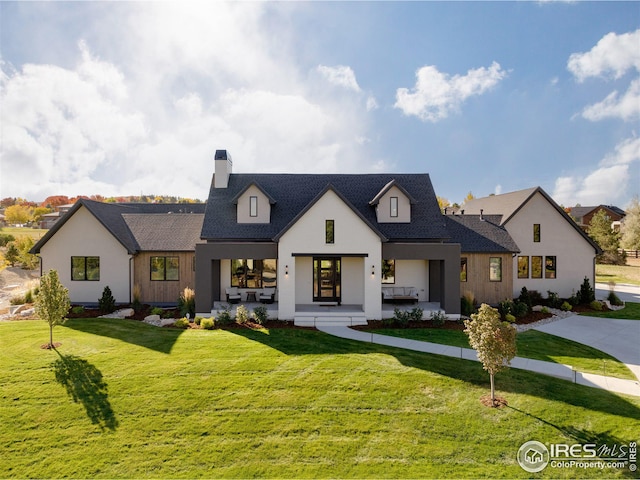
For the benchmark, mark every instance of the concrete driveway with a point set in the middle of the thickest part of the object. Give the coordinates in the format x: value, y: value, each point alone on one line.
x: 618, y: 338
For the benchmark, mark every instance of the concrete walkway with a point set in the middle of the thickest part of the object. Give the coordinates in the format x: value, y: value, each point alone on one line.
x: 618, y: 338
x: 617, y: 385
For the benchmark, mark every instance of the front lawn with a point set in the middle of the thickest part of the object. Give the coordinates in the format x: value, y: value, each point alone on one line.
x: 531, y: 344
x: 122, y: 399
x: 631, y: 311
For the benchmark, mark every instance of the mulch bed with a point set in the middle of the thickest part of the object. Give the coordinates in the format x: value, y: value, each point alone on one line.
x: 500, y: 402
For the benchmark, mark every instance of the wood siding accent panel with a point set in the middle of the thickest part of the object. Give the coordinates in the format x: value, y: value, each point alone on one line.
x: 163, y: 291
x: 478, y: 283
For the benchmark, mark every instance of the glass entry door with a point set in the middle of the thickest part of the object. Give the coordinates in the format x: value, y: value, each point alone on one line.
x: 326, y: 280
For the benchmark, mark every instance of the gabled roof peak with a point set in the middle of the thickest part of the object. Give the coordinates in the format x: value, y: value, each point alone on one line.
x: 387, y: 187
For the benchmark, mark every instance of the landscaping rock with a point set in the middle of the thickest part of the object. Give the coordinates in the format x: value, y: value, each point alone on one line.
x: 152, y: 318
x: 122, y: 313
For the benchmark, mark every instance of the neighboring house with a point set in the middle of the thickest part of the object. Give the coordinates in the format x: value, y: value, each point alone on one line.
x: 583, y: 215
x: 555, y: 254
x: 48, y: 220
x: 322, y: 239
x: 121, y: 245
x: 486, y: 259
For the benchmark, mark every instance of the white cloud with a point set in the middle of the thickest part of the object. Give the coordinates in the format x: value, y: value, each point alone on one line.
x: 613, y: 55
x: 190, y: 78
x: 608, y: 183
x: 341, y: 76
x: 437, y: 94
x: 625, y: 107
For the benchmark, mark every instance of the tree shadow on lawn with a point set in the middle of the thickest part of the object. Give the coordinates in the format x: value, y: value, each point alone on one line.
x: 313, y: 342
x: 85, y: 384
x: 130, y: 331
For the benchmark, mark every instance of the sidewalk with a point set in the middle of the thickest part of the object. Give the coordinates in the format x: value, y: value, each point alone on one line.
x: 628, y: 387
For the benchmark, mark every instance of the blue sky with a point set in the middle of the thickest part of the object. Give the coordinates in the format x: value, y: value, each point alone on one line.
x: 118, y: 98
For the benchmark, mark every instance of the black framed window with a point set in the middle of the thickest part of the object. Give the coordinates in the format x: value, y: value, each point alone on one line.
x: 250, y: 273
x: 253, y: 206
x: 388, y: 271
x: 536, y: 232
x: 329, y: 231
x: 463, y: 269
x: 394, y: 207
x: 85, y: 268
x: 536, y: 266
x: 550, y: 266
x: 495, y: 269
x: 523, y: 266
x: 165, y: 268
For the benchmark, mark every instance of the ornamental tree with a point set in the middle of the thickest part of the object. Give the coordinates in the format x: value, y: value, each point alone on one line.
x: 52, y: 302
x: 493, y: 339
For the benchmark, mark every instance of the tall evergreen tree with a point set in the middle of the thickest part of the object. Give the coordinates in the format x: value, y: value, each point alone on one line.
x: 609, y: 240
x: 631, y: 232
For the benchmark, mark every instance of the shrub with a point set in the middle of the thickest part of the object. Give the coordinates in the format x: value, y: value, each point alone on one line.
x: 260, y: 314
x: 187, y: 302
x: 614, y: 299
x: 224, y: 317
x: 242, y: 314
x: 137, y: 293
x: 596, y: 305
x: 181, y: 323
x: 207, y: 323
x: 536, y: 297
x: 157, y: 311
x: 17, y: 300
x: 400, y: 317
x: 553, y: 299
x: 78, y: 309
x: 107, y: 303
x: 5, y: 238
x: 467, y: 304
x: 525, y: 297
x: 28, y: 296
x: 544, y: 310
x: 506, y: 307
x: 509, y: 318
x: 197, y: 320
x: 566, y: 307
x: 416, y: 314
x: 438, y: 318
x: 586, y: 295
x: 520, y: 309
x: 574, y: 299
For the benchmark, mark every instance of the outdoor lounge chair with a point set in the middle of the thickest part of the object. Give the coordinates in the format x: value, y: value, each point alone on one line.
x: 267, y: 295
x: 233, y: 296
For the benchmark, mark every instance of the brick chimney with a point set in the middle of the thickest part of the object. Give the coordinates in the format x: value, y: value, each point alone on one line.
x: 222, y: 170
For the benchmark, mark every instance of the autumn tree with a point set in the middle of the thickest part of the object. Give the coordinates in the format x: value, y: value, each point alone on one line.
x: 17, y: 214
x: 609, y: 240
x: 442, y: 203
x: 493, y: 339
x: 52, y: 302
x: 631, y: 232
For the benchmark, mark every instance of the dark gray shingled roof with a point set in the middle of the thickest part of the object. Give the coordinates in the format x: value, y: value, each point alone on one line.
x: 111, y: 216
x: 477, y: 234
x: 579, y: 212
x: 508, y: 204
x: 293, y: 192
x: 155, y: 232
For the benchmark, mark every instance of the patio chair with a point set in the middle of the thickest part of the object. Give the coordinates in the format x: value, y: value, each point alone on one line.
x: 233, y: 296
x: 267, y: 295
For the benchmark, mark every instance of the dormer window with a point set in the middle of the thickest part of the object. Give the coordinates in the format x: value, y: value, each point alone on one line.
x: 393, y: 204
x: 253, y: 204
x: 394, y: 207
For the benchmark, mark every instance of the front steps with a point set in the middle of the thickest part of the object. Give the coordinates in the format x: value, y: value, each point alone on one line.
x: 309, y: 319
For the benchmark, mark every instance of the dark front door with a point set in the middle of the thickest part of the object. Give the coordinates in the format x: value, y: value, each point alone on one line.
x: 326, y: 280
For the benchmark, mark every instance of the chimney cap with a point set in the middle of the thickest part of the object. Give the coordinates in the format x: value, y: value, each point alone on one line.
x: 222, y: 155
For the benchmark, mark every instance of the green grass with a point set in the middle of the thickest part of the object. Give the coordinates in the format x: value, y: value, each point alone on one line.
x: 121, y: 399
x: 532, y: 344
x: 618, y: 273
x: 35, y: 233
x: 631, y: 311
